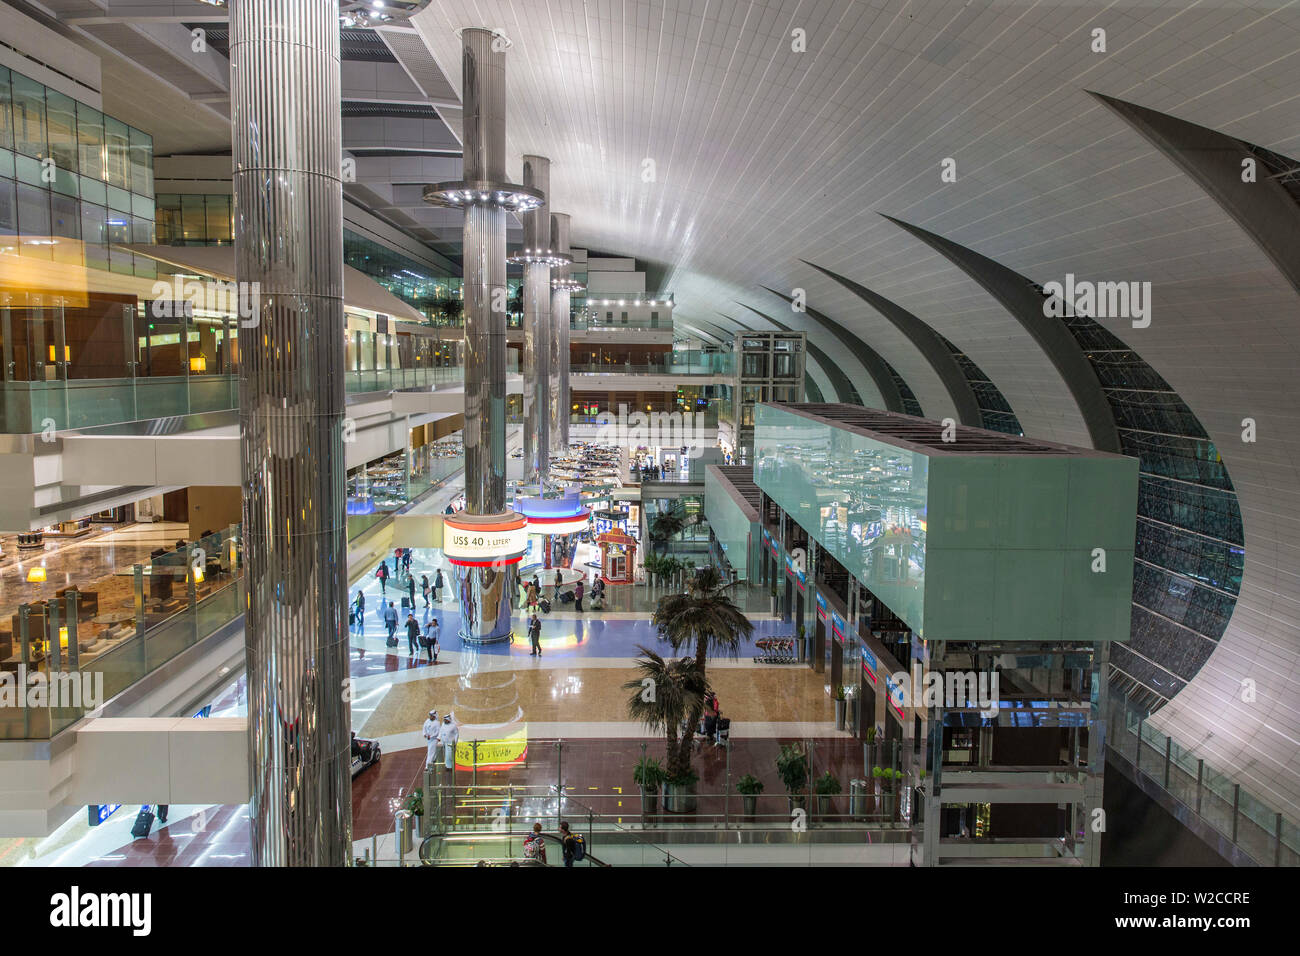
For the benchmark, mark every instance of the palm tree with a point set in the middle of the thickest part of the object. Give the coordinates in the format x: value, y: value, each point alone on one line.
x: 664, y: 694
x: 667, y: 524
x: 705, y: 617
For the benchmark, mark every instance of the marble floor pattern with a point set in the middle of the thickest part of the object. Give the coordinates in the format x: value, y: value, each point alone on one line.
x: 88, y: 562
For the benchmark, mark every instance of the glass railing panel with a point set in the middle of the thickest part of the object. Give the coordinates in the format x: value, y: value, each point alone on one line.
x: 101, y: 402
x: 161, y: 397
x: 1216, y: 809
x: 213, y: 393
x: 1256, y: 824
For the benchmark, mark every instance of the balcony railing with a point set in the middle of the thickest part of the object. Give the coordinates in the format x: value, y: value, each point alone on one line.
x: 1250, y: 823
x: 86, y: 646
x: 31, y: 407
x: 675, y: 363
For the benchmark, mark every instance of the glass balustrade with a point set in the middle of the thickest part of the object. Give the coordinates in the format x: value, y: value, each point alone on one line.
x: 677, y: 362
x: 1248, y: 821
x: 78, y: 647
x: 31, y: 407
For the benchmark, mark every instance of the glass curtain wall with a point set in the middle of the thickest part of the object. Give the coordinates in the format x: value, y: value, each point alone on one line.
x: 75, y: 185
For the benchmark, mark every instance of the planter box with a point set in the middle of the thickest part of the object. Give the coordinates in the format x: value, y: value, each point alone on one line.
x: 649, y: 802
x: 680, y: 798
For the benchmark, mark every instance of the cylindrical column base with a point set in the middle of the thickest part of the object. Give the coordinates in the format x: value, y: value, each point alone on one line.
x: 485, y: 607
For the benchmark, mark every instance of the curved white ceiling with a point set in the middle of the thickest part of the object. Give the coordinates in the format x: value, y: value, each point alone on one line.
x: 765, y: 156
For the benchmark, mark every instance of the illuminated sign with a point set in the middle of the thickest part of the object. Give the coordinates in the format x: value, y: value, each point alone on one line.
x: 895, y: 697
x: 558, y: 525
x: 484, y: 541
x: 498, y: 754
x: 563, y: 515
x: 101, y: 812
x: 869, y: 664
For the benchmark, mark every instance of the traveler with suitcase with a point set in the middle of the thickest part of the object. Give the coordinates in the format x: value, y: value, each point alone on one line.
x: 390, y: 622
x: 143, y: 823
x: 430, y: 641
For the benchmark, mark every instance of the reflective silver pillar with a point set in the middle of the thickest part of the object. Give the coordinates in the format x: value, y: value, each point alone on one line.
x: 484, y: 588
x: 287, y: 153
x: 485, y: 359
x: 562, y: 286
x: 537, y: 327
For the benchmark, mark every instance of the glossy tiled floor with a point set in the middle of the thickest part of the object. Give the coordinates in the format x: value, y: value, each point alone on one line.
x: 87, y: 562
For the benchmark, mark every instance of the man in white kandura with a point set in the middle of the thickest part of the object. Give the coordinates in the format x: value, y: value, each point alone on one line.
x: 431, y: 732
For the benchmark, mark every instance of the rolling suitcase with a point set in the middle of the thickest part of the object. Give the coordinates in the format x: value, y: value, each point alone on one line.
x: 143, y: 823
x: 546, y: 606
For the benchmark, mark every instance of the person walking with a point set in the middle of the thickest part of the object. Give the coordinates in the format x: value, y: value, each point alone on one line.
x: 555, y: 590
x: 438, y: 584
x: 424, y: 588
x: 533, y: 597
x: 410, y: 590
x: 535, y: 635
x: 406, y: 560
x: 535, y: 845
x: 431, y: 731
x: 361, y: 610
x: 577, y: 596
x: 390, y: 622
x: 382, y: 574
x: 449, y: 736
x: 431, y: 640
x: 567, y: 847
x: 412, y: 635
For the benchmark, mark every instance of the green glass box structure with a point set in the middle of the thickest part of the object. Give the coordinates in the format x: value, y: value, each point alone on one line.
x: 962, y: 589
x: 984, y: 536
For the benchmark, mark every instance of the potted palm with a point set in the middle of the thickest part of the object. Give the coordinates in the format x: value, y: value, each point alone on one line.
x: 666, y: 525
x: 825, y: 786
x: 801, y: 643
x: 680, y: 792
x: 648, y: 775
x: 749, y: 787
x: 841, y: 707
x: 414, y: 805
x: 664, y: 694
x: 703, y: 619
x: 792, y: 768
x: 896, y: 786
